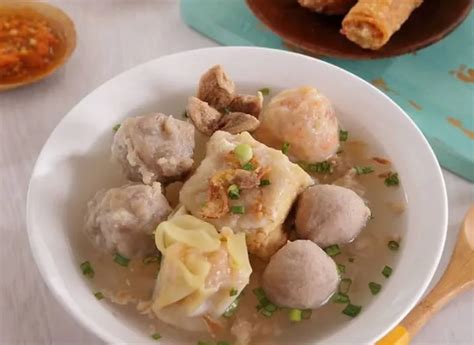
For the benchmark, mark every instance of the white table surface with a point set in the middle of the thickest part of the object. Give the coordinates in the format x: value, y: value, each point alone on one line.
x: 112, y: 37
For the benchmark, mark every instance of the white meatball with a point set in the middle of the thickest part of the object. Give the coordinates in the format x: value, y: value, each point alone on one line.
x: 329, y: 214
x: 154, y: 147
x: 305, y: 119
x: 300, y: 275
x: 122, y: 220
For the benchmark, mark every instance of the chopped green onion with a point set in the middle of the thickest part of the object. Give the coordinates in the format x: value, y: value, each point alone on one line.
x: 341, y: 268
x: 200, y: 342
x: 345, y: 285
x: 156, y: 336
x: 121, y: 260
x: 393, y: 245
x: 363, y: 170
x: 151, y: 259
x: 263, y: 303
x: 237, y: 209
x: 387, y: 271
x: 351, y: 259
x: 340, y: 297
x: 306, y: 314
x: 374, y: 288
x: 343, y: 135
x: 264, y: 182
x: 230, y: 311
x: 285, y: 148
x: 226, y: 111
x: 392, y: 180
x: 265, y: 91
x: 248, y: 166
x: 232, y: 307
x: 233, y: 192
x: 352, y: 310
x: 259, y: 293
x: 333, y: 250
x: 116, y: 127
x: 320, y: 168
x: 294, y: 315
x: 270, y: 307
x: 233, y: 292
x: 223, y: 343
x: 87, y: 269
x: 268, y: 310
x: 324, y: 167
x: 265, y: 306
x: 99, y: 295
x: 244, y: 153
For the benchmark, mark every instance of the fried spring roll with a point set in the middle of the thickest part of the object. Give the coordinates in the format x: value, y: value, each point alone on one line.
x: 371, y: 23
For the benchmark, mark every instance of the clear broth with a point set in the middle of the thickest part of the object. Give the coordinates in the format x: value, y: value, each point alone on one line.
x: 124, y: 288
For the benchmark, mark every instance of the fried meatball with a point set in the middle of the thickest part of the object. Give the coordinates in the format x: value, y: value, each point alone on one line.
x: 122, y: 220
x: 300, y: 275
x: 235, y: 123
x: 328, y: 6
x: 154, y: 147
x: 216, y: 88
x: 205, y: 118
x: 329, y: 214
x: 303, y: 118
x: 248, y: 104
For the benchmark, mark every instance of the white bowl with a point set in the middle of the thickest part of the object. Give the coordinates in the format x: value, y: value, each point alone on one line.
x: 74, y: 163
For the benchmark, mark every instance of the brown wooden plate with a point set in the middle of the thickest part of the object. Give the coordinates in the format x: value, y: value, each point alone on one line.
x: 319, y: 34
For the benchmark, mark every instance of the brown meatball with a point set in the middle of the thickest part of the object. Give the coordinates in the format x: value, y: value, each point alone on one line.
x: 236, y: 123
x: 205, y: 118
x: 154, y: 147
x: 122, y: 220
x: 328, y: 6
x: 208, y: 120
x: 216, y: 88
x: 329, y: 214
x: 248, y: 104
x: 300, y: 275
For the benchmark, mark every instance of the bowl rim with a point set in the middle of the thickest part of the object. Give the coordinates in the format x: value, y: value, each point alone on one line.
x: 108, y: 336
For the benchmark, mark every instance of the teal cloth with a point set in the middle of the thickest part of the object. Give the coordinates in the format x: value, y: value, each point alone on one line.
x: 424, y: 84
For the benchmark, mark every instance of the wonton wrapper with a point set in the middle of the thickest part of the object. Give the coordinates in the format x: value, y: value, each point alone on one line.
x: 199, y: 269
x: 263, y: 230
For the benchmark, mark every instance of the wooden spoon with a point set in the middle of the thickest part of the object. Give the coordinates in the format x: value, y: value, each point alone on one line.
x: 458, y: 277
x: 58, y: 21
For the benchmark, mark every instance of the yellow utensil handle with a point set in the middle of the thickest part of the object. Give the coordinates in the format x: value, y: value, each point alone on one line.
x: 398, y: 336
x: 458, y: 277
